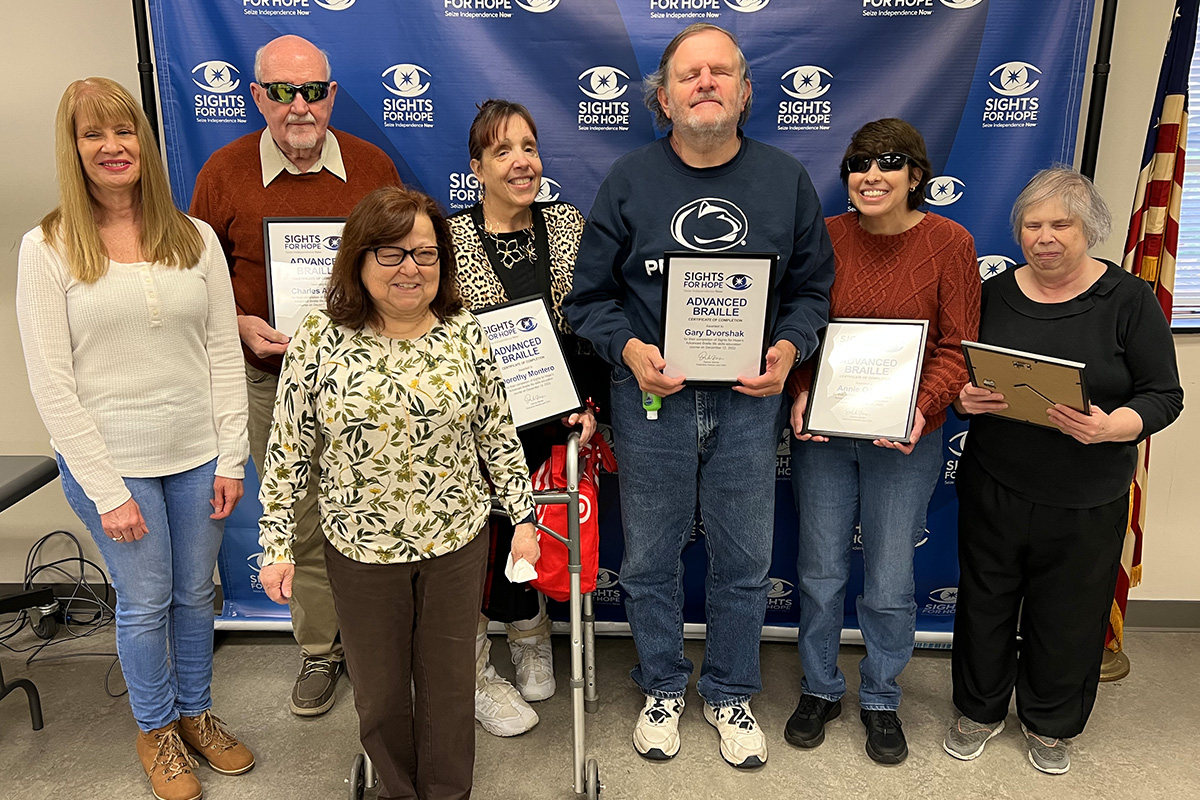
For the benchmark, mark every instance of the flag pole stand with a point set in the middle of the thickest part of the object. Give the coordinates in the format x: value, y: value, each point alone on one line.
x: 1114, y: 667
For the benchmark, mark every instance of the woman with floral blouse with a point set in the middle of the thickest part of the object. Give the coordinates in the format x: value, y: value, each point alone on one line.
x: 400, y: 384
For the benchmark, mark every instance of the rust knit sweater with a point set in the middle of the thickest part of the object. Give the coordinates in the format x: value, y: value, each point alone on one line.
x: 928, y: 272
x: 230, y: 197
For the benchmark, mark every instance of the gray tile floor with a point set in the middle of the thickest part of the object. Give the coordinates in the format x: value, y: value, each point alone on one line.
x: 1141, y: 741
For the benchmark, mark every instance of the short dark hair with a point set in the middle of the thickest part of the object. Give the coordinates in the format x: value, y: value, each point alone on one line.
x: 891, y: 135
x: 382, y: 217
x: 492, y: 117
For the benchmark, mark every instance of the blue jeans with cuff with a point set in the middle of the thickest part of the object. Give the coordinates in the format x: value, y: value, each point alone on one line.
x: 716, y: 449
x: 835, y: 483
x: 165, y: 592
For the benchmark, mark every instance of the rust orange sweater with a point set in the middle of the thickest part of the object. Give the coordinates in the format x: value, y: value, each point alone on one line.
x: 230, y: 197
x: 928, y: 272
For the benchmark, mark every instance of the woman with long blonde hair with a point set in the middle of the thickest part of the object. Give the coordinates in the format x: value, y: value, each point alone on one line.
x: 128, y: 325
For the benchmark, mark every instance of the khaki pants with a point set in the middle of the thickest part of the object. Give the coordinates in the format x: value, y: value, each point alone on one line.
x: 313, y: 619
x: 409, y: 630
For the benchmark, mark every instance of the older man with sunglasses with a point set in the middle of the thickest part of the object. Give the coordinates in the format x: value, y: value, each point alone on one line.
x: 297, y: 166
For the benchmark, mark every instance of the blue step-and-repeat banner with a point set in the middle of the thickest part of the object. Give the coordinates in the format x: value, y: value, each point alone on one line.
x: 995, y: 88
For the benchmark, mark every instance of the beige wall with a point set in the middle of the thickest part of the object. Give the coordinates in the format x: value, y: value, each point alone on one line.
x: 45, y: 45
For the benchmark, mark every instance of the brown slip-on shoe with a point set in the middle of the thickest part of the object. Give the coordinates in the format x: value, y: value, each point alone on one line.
x: 167, y: 764
x: 207, y: 736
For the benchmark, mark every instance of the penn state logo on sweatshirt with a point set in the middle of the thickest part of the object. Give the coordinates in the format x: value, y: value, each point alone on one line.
x: 709, y: 225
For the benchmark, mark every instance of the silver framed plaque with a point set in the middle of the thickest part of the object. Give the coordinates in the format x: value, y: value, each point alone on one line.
x: 531, y: 361
x: 866, y: 378
x: 299, y: 259
x: 716, y: 315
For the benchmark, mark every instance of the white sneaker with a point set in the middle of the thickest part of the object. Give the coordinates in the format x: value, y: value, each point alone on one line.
x: 742, y: 742
x: 656, y: 735
x: 499, y: 708
x: 534, y: 660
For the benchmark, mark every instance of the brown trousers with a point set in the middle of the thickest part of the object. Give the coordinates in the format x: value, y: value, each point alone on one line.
x: 409, y: 634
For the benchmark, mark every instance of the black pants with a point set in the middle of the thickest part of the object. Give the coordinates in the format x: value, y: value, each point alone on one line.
x: 409, y: 634
x: 1062, y: 564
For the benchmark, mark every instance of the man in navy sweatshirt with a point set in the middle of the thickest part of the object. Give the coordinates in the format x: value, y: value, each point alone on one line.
x: 704, y: 187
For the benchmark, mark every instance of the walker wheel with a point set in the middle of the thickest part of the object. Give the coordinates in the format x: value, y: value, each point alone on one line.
x: 592, y: 783
x: 358, y: 780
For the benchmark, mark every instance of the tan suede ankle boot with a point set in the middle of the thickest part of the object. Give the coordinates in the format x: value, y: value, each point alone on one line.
x: 167, y: 764
x: 207, y: 736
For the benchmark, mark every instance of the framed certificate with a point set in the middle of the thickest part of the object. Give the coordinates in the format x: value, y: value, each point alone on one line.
x: 530, y: 356
x: 1029, y: 382
x: 299, y: 259
x: 715, y: 315
x: 865, y: 383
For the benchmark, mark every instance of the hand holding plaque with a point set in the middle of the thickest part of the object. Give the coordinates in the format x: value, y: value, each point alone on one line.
x: 866, y: 379
x: 299, y: 255
x: 530, y: 356
x: 715, y: 315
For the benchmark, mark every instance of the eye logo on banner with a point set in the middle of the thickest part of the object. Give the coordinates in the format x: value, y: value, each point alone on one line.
x: 216, y: 76
x: 335, y: 5
x: 603, y: 83
x: 1015, y: 107
x: 961, y: 3
x: 605, y: 111
x: 957, y: 443
x: 806, y: 112
x: 608, y: 588
x: 1015, y: 78
x: 408, y: 109
x: 747, y: 6
x: 991, y: 266
x: 406, y: 80
x: 924, y: 538
x: 538, y: 6
x: 217, y: 103
x: 709, y: 225
x: 941, y: 601
x: 944, y: 190
x: 548, y: 192
x: 779, y: 596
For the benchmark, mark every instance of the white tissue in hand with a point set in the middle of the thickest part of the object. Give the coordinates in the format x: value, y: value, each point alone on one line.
x: 520, y: 572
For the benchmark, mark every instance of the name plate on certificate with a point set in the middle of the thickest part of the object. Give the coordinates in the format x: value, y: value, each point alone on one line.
x: 715, y: 315
x: 865, y: 383
x: 530, y: 356
x: 299, y: 255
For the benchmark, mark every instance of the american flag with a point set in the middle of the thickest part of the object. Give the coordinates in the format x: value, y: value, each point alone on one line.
x: 1150, y: 254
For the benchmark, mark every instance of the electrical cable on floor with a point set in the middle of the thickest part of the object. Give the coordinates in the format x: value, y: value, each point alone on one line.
x: 86, y: 611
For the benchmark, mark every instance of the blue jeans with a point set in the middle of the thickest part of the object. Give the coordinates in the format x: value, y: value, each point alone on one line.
x: 715, y: 449
x: 164, y: 591
x: 836, y: 483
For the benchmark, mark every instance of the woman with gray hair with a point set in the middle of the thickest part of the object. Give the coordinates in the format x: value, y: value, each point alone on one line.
x: 1043, y: 509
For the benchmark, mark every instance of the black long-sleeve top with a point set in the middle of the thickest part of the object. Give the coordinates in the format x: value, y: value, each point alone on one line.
x: 1117, y: 329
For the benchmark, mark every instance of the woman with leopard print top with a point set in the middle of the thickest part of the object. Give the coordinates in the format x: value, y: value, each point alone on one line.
x: 509, y: 246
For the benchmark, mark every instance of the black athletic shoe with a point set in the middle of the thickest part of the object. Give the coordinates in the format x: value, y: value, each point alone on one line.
x: 885, y: 736
x: 806, y: 726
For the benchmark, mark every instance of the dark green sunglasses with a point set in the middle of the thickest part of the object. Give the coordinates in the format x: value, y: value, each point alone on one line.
x: 282, y: 92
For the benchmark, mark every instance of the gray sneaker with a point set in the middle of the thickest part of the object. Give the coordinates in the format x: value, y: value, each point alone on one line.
x: 1047, y: 754
x: 313, y: 693
x: 966, y: 738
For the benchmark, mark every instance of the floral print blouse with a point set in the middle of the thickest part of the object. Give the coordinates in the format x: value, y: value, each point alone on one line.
x: 405, y: 424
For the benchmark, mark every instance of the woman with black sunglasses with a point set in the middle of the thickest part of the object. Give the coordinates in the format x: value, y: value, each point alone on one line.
x: 894, y: 261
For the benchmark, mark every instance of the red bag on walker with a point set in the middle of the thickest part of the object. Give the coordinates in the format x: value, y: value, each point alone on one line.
x: 553, y: 579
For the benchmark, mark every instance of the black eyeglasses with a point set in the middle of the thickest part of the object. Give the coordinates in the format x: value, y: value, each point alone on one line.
x: 390, y: 256
x: 888, y: 162
x: 283, y: 92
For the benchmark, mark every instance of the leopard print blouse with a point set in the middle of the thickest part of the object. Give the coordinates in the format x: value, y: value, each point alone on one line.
x: 477, y: 281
